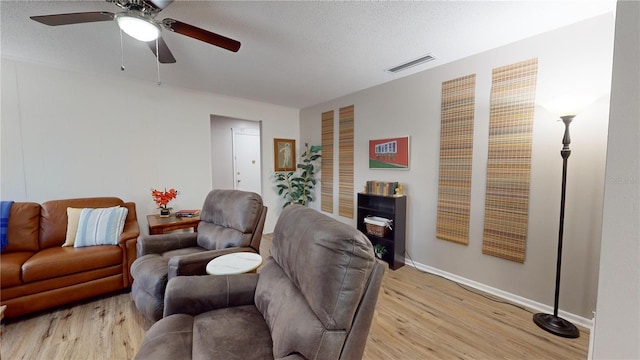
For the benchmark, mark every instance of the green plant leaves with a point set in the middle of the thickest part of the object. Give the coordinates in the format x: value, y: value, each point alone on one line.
x: 295, y: 187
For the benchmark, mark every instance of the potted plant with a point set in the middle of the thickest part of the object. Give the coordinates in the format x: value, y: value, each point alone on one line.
x: 379, y: 250
x: 295, y: 186
x: 162, y: 199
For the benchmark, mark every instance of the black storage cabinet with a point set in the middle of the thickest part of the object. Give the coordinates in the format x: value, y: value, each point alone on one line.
x: 389, y: 207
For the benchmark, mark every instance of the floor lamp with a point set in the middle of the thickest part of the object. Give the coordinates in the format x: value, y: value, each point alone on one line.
x: 552, y: 323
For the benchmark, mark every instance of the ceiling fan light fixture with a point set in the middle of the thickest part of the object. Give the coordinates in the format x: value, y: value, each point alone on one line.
x: 138, y: 27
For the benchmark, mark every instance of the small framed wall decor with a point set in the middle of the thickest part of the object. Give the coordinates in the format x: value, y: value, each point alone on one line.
x: 391, y: 153
x: 284, y: 154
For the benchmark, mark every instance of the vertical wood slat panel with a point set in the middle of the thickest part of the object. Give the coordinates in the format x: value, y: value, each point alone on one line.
x: 326, y: 179
x: 456, y: 156
x: 345, y: 163
x: 509, y: 160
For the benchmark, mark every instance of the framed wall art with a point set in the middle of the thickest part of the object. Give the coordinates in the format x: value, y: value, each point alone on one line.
x: 284, y: 154
x: 391, y: 153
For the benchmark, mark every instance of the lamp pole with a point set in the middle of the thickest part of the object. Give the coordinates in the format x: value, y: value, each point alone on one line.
x: 552, y: 323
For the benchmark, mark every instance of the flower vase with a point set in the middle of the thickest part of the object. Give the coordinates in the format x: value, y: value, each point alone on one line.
x: 165, y: 212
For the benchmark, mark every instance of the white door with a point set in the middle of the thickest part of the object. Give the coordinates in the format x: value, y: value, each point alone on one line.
x: 246, y: 160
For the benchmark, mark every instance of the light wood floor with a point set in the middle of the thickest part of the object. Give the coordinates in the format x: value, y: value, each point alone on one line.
x: 419, y: 316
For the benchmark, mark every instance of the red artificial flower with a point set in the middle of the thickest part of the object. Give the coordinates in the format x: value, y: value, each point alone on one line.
x: 162, y: 198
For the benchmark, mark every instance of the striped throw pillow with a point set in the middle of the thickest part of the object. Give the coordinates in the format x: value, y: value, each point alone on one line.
x: 100, y: 226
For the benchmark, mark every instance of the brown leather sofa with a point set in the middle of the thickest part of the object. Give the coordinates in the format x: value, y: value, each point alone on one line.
x: 38, y: 273
x: 313, y: 298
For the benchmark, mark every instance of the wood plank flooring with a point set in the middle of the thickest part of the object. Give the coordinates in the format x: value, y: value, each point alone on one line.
x: 423, y: 316
x: 418, y: 316
x: 108, y: 328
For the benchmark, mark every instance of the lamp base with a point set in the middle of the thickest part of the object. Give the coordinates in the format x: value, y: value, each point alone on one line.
x: 556, y: 325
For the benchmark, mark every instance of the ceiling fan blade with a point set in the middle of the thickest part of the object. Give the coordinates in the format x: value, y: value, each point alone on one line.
x: 201, y: 34
x: 73, y: 18
x: 160, y: 4
x: 166, y: 57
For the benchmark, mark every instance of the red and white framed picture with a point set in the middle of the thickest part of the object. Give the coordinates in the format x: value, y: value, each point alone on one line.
x: 391, y: 153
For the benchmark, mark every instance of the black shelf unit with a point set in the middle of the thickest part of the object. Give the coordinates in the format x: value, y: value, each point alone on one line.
x: 390, y: 207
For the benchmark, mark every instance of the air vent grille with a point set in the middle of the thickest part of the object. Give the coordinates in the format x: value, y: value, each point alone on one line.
x: 412, y: 63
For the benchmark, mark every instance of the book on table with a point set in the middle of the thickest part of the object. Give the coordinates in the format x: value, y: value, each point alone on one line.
x: 187, y: 213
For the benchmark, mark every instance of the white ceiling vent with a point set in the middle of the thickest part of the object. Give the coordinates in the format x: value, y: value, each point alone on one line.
x: 412, y: 63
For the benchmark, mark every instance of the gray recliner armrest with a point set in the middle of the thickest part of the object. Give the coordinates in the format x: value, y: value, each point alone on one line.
x: 197, y: 294
x: 157, y: 244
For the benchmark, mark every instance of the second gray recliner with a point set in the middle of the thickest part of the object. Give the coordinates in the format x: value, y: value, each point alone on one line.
x: 230, y: 221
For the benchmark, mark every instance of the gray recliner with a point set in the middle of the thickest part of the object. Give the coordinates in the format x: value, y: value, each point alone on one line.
x: 314, y: 298
x: 230, y: 221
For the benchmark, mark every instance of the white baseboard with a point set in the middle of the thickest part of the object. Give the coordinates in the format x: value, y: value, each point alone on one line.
x: 592, y: 337
x: 578, y: 320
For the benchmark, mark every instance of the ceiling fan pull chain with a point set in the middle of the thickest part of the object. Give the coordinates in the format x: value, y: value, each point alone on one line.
x: 121, y: 53
x: 158, y: 61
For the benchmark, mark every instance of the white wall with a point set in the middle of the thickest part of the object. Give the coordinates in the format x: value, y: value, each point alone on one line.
x: 69, y: 135
x: 617, y: 328
x: 575, y: 60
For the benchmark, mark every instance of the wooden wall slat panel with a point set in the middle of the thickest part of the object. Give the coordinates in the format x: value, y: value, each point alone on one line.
x: 326, y: 179
x: 346, y: 195
x: 456, y: 156
x: 509, y: 160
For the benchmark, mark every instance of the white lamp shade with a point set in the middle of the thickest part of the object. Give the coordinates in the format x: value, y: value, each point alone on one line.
x: 568, y: 105
x: 138, y: 28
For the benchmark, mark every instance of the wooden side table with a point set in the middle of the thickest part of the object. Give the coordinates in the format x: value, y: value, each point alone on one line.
x: 160, y: 225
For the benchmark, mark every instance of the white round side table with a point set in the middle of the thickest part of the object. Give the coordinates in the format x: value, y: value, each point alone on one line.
x: 234, y: 263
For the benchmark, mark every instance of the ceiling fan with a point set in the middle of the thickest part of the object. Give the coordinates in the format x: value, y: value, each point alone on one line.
x: 138, y: 21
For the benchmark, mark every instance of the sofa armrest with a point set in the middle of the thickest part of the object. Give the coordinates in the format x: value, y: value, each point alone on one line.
x: 157, y: 244
x: 130, y: 231
x: 196, y: 263
x: 131, y: 228
x: 197, y: 294
x: 127, y: 242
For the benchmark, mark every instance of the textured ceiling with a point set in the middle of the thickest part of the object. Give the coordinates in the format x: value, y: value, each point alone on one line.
x: 294, y: 54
